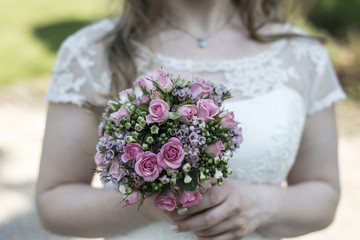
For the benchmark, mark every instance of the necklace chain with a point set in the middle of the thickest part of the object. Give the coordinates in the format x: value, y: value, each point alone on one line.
x: 201, y: 42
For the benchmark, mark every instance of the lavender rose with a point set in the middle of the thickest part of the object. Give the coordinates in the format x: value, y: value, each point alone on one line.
x: 199, y: 88
x: 147, y: 167
x: 116, y: 117
x: 171, y: 154
x: 159, y: 111
x: 131, y: 150
x: 132, y: 199
x: 228, y: 119
x: 187, y: 113
x: 124, y: 95
x: 189, y: 199
x: 207, y: 109
x: 163, y: 80
x: 215, y: 149
x: 167, y: 202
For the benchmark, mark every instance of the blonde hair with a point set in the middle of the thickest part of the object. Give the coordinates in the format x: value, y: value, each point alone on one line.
x: 139, y: 16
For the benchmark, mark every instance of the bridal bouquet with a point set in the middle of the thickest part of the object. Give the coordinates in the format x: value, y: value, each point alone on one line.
x: 165, y: 136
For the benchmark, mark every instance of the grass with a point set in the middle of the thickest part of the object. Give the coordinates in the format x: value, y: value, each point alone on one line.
x: 32, y: 30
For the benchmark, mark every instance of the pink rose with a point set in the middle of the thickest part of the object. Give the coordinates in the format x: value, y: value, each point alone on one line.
x: 215, y: 149
x: 187, y: 113
x: 199, y: 88
x: 145, y: 82
x: 189, y: 199
x: 116, y: 117
x: 131, y: 150
x: 144, y: 99
x: 228, y: 119
x: 146, y: 166
x: 167, y: 202
x: 124, y: 95
x: 207, y: 109
x: 133, y: 198
x: 100, y: 161
x: 163, y: 80
x: 111, y: 104
x: 171, y: 154
x: 155, y: 95
x: 159, y: 111
x: 115, y: 171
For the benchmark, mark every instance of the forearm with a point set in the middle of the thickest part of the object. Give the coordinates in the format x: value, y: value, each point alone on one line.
x: 80, y: 210
x: 298, y: 209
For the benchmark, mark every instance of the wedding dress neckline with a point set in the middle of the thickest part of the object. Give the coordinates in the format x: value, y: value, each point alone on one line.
x: 212, y: 65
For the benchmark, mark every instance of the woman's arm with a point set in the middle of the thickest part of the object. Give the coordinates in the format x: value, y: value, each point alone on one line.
x: 307, y: 204
x: 66, y: 202
x: 310, y: 202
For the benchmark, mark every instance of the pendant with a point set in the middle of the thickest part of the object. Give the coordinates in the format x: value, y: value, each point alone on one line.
x: 201, y: 43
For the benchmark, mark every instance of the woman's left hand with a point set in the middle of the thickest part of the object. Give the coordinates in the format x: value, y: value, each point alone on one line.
x: 231, y: 211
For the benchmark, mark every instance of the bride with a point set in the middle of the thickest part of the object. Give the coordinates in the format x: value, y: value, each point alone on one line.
x: 284, y: 86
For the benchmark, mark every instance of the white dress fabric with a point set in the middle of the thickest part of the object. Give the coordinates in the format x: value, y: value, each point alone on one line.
x: 273, y: 93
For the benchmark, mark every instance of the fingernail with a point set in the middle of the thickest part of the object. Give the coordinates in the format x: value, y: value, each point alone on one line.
x: 174, y: 228
x: 182, y: 211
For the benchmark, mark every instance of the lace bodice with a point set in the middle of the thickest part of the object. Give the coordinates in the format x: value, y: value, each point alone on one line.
x: 273, y: 93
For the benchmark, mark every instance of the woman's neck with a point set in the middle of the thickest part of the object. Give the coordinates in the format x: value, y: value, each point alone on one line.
x: 200, y: 17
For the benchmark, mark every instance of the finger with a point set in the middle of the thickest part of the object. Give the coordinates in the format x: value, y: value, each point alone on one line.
x: 231, y: 235
x: 203, y: 220
x: 211, y: 198
x: 230, y: 224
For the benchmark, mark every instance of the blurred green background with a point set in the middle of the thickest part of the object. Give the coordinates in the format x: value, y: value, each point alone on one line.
x: 31, y: 32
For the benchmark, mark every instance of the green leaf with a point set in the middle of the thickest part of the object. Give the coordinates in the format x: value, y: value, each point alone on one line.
x: 191, y: 186
x: 174, y: 115
x: 143, y: 107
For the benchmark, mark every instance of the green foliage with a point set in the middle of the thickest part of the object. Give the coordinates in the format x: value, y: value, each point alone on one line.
x: 336, y: 16
x: 32, y: 30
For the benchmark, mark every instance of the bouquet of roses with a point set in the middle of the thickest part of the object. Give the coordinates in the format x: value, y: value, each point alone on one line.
x: 165, y: 136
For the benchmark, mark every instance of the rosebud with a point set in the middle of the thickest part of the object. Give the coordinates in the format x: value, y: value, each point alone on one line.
x: 164, y: 179
x: 150, y: 140
x: 173, y: 181
x: 129, y: 139
x: 140, y: 119
x: 145, y: 146
x: 154, y: 129
x: 186, y: 167
x: 138, y: 127
x: 218, y: 174
x: 128, y: 125
x: 135, y: 134
x: 187, y: 179
x: 202, y: 176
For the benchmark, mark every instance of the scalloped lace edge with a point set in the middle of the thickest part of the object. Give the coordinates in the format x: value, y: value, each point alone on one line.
x: 329, y: 100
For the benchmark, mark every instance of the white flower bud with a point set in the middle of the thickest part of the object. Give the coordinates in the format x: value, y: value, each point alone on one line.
x: 229, y: 171
x: 122, y: 188
x: 187, y: 179
x: 216, y: 160
x: 202, y: 176
x: 171, y: 172
x: 138, y: 92
x: 218, y: 174
x: 186, y: 167
x: 164, y: 179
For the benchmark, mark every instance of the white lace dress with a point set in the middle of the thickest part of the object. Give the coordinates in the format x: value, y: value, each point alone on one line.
x: 274, y: 91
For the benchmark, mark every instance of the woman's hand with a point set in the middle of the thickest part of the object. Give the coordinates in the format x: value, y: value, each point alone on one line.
x: 231, y: 211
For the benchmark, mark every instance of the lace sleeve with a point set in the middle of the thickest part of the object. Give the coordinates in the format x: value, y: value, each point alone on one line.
x: 325, y: 89
x: 81, y: 74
